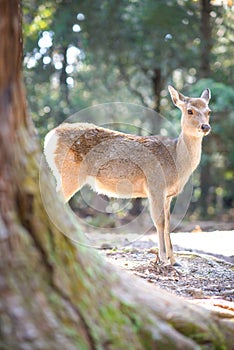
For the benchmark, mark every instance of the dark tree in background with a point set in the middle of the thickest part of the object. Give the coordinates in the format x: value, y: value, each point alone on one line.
x: 129, y: 51
x: 205, y: 72
x: 206, y: 39
x: 54, y: 295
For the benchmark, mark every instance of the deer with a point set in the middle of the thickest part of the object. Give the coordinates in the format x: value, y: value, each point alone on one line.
x: 124, y: 165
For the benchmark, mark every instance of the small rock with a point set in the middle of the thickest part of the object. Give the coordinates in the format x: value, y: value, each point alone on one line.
x: 196, y: 293
x: 106, y: 246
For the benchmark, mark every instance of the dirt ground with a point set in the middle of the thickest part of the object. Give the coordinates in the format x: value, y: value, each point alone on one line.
x: 199, y: 276
x: 202, y: 278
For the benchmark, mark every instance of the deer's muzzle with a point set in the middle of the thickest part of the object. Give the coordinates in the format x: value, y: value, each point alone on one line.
x: 205, y: 128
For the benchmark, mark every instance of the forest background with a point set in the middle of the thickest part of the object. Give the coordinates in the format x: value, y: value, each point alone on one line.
x: 79, y: 54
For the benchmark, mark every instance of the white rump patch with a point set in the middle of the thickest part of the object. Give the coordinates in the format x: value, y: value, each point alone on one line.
x: 50, y: 146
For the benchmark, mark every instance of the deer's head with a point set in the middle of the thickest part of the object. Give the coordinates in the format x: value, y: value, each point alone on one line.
x: 195, y: 112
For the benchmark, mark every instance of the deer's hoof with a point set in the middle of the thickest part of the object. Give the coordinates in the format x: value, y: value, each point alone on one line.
x: 176, y: 264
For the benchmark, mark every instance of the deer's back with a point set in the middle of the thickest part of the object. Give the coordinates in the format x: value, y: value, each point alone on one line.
x: 111, y: 157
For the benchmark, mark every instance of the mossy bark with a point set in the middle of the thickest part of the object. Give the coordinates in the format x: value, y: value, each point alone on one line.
x: 55, y: 294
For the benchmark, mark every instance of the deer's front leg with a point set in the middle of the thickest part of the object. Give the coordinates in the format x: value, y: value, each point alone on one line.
x: 169, y: 249
x: 158, y: 216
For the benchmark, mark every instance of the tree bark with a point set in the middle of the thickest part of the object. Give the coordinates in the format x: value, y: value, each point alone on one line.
x: 206, y: 38
x: 63, y: 78
x: 206, y: 46
x: 205, y: 177
x: 157, y: 84
x: 157, y: 88
x: 58, y: 295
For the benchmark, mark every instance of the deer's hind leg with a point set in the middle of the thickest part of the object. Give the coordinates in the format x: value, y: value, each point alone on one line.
x: 71, y: 179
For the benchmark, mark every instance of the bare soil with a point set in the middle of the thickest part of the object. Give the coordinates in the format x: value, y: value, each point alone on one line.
x: 206, y: 279
x: 199, y: 276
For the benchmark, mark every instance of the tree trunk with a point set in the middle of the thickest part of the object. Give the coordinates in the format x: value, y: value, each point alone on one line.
x: 58, y: 295
x: 137, y: 207
x: 206, y: 38
x: 157, y: 88
x: 157, y: 84
x: 205, y: 177
x: 206, y: 45
x: 63, y: 78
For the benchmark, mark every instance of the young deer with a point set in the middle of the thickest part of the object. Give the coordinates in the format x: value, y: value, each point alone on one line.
x: 128, y: 166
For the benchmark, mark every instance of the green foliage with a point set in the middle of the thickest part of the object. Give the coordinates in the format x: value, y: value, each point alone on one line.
x: 101, y: 220
x: 219, y: 157
x: 78, y: 54
x: 222, y: 95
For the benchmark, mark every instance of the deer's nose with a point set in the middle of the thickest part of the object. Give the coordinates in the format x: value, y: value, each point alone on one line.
x: 205, y: 128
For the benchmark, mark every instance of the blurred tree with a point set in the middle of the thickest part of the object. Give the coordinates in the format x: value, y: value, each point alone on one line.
x: 208, y: 182
x: 206, y: 39
x: 217, y: 170
x: 143, y: 41
x: 54, y: 294
x: 80, y: 54
x: 205, y: 72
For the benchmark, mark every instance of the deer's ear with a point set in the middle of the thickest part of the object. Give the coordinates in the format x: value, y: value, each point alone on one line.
x: 177, y: 98
x: 206, y: 95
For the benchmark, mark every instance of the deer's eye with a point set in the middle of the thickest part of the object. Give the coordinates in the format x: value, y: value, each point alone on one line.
x: 190, y: 111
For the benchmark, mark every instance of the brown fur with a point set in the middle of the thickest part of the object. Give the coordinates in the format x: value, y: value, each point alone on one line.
x: 130, y: 166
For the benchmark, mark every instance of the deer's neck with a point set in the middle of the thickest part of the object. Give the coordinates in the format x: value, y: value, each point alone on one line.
x: 188, y: 153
